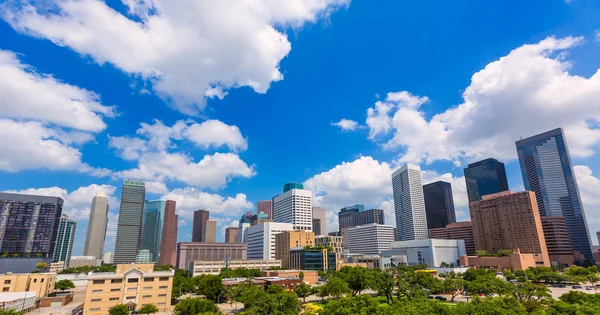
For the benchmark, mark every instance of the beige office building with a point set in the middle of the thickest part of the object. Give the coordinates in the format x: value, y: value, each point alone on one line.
x: 287, y: 240
x: 231, y: 234
x: 133, y: 285
x: 335, y: 242
x: 41, y: 283
x: 509, y: 220
x: 215, y: 267
x: 211, y: 231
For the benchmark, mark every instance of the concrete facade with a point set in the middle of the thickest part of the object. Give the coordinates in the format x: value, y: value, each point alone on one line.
x: 188, y: 252
x: 409, y: 203
x: 97, y: 222
x: 215, y: 267
x: 287, y: 240
x: 261, y: 239
x: 431, y: 252
x: 370, y: 239
x: 41, y: 283
x: 294, y: 206
x: 231, y: 235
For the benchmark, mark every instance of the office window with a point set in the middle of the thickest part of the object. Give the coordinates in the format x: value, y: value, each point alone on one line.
x: 116, y: 281
x: 132, y: 280
x: 42, y: 280
x: 161, y: 303
x: 148, y: 279
x: 147, y: 288
x: 98, y: 282
x: 162, y: 295
x: 114, y: 299
x: 96, y: 291
x: 163, y: 287
x: 6, y: 281
x: 131, y: 289
x: 96, y: 300
x: 163, y: 278
x: 147, y: 296
x: 94, y: 309
x: 130, y: 297
x: 34, y: 280
x: 115, y: 290
x: 5, y: 289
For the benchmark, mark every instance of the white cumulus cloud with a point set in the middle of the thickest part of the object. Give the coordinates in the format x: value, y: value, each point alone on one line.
x: 190, y: 199
x: 589, y: 188
x: 346, y: 124
x: 189, y: 50
x: 526, y: 92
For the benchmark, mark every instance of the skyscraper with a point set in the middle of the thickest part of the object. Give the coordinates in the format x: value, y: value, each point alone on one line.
x: 409, y: 204
x: 316, y: 225
x: 64, y: 240
x: 129, y: 226
x: 356, y: 215
x: 97, y: 223
x: 152, y: 227
x: 485, y: 178
x: 547, y: 170
x: 321, y: 215
x: 439, y: 204
x: 265, y: 206
x: 168, y: 244
x: 210, y: 235
x: 29, y: 224
x: 231, y: 235
x: 199, y: 227
x: 294, y: 206
x: 509, y: 220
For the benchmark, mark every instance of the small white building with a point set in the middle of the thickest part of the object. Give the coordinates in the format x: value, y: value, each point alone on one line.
x: 370, y: 239
x: 78, y: 279
x: 431, y: 252
x: 18, y: 301
x: 261, y: 239
x: 80, y: 261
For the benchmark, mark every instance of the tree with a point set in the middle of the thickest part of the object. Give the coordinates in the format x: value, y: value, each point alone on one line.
x: 303, y: 290
x: 163, y: 267
x: 531, y: 292
x: 9, y: 311
x: 119, y: 309
x: 412, y: 284
x: 195, y: 307
x: 182, y: 283
x: 64, y: 284
x: 383, y: 282
x: 148, y: 309
x: 487, y: 286
x: 357, y: 278
x: 301, y: 275
x: 210, y: 286
x: 41, y: 265
x: 362, y: 304
x: 453, y: 286
x: 335, y: 287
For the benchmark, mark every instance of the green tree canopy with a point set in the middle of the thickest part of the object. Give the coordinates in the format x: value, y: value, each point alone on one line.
x: 357, y: 278
x: 195, y: 306
x: 210, y: 286
x: 120, y: 309
x: 303, y: 291
x: 148, y: 309
x: 64, y: 284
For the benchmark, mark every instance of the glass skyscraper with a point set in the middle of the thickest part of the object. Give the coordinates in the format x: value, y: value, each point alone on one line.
x: 129, y: 228
x: 152, y: 227
x: 29, y: 224
x: 485, y: 178
x: 356, y: 215
x: 547, y: 170
x: 64, y: 240
x: 439, y: 204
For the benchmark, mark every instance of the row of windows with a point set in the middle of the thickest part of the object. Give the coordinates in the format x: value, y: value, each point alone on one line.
x: 129, y: 298
x: 131, y: 280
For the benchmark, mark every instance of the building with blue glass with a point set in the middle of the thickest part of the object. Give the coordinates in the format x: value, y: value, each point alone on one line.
x: 547, y: 170
x: 312, y: 259
x: 485, y: 178
x: 152, y: 227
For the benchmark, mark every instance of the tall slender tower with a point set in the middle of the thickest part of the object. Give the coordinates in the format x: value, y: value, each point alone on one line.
x: 168, y: 244
x: 96, y: 232
x: 64, y: 240
x: 321, y: 215
x: 409, y: 204
x: 129, y: 228
x: 152, y: 227
x: 439, y: 204
x: 547, y: 170
x: 199, y: 226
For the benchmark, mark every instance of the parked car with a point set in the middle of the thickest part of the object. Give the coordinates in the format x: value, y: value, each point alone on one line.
x: 576, y: 287
x: 560, y: 286
x: 588, y: 288
x: 441, y: 298
x: 430, y: 297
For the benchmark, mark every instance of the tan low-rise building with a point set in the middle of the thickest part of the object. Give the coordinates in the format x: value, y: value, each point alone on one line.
x: 133, y: 285
x: 41, y: 283
x: 516, y: 261
x: 308, y: 276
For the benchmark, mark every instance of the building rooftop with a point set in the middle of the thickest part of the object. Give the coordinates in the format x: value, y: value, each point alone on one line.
x: 11, y: 296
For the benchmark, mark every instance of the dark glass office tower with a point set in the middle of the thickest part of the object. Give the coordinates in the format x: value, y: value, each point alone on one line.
x: 357, y: 215
x: 439, y: 204
x: 547, y: 170
x: 129, y: 228
x: 64, y: 240
x: 29, y: 224
x: 485, y: 178
x: 152, y: 227
x: 199, y: 225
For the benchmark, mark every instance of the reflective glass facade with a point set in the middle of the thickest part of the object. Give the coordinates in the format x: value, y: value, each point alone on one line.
x: 547, y: 170
x: 439, y: 204
x: 64, y: 240
x: 152, y: 227
x: 485, y: 178
x: 129, y: 227
x: 357, y: 215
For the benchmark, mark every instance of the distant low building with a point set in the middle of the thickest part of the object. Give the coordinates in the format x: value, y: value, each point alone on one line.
x: 18, y: 301
x: 215, y: 267
x: 57, y: 266
x: 132, y: 284
x: 457, y: 231
x: 307, y: 276
x: 188, y: 252
x: 430, y: 252
x: 516, y: 261
x: 107, y: 258
x: 81, y: 261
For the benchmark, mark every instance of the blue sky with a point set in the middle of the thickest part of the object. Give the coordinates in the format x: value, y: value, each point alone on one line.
x: 218, y: 104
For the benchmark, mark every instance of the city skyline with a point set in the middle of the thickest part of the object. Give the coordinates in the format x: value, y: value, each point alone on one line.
x: 225, y: 135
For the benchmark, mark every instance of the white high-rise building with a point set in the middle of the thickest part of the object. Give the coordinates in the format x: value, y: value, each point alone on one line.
x: 409, y: 204
x: 96, y: 232
x: 294, y: 206
x: 370, y: 239
x: 261, y: 239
